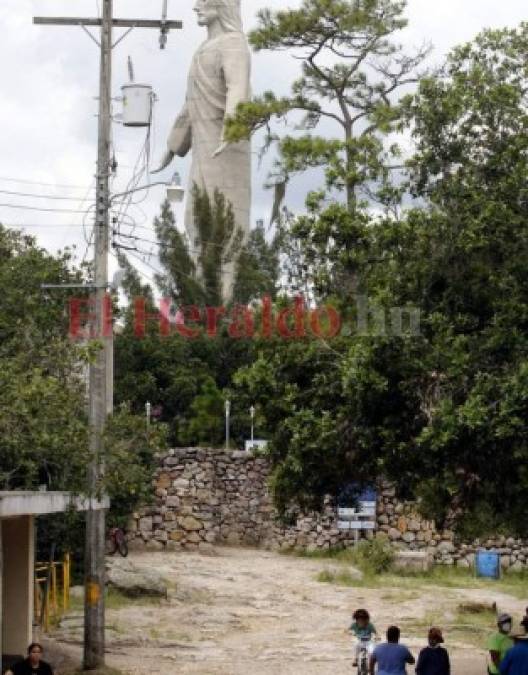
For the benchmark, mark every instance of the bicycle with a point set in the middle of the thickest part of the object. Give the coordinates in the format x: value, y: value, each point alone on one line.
x: 116, y: 541
x: 365, y: 649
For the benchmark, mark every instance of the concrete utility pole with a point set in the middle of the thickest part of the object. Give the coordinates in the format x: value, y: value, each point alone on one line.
x: 101, y: 371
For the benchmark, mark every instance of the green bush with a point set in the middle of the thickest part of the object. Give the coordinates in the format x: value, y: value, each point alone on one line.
x: 372, y: 557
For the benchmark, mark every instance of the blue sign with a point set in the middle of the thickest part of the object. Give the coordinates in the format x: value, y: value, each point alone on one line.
x: 487, y: 564
x: 353, y: 493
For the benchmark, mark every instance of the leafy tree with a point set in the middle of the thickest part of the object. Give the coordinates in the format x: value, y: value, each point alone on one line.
x: 352, y: 71
x: 440, y: 414
x: 194, y: 269
x: 132, y: 461
x: 205, y: 425
x: 258, y: 267
x: 471, y: 129
x: 43, y: 420
x: 173, y: 372
x: 42, y: 435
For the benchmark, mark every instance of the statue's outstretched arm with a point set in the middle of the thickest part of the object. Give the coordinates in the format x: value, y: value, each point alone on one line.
x: 179, y: 141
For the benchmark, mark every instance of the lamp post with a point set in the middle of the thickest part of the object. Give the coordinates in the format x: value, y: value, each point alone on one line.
x: 175, y: 191
x: 148, y: 410
x: 227, y: 413
x: 252, y: 413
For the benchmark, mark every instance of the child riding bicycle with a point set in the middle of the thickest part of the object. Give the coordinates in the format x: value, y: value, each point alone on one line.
x: 364, y: 631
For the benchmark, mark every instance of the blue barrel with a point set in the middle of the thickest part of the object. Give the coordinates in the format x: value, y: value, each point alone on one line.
x: 488, y: 564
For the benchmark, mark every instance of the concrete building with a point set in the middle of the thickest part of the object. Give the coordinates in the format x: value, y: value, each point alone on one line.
x: 18, y: 511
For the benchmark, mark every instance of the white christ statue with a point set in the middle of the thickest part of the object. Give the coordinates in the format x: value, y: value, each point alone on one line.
x: 219, y: 79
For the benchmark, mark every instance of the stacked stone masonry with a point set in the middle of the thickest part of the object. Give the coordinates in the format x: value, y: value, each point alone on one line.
x: 205, y: 497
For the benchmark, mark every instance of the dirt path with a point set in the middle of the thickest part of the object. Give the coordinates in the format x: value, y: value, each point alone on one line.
x: 245, y: 611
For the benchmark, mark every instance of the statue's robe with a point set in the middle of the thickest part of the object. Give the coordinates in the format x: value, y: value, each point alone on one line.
x: 219, y: 79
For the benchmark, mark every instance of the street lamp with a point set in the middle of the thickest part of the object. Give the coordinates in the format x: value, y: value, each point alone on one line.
x: 252, y: 413
x: 175, y: 191
x: 148, y: 410
x: 227, y: 413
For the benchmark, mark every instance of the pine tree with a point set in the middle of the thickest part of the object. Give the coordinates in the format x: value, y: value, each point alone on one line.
x: 352, y: 71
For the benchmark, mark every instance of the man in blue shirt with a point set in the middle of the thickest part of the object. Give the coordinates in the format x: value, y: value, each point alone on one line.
x: 391, y: 657
x: 516, y: 660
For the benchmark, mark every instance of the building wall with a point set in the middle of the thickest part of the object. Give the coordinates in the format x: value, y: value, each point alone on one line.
x: 17, y: 583
x: 205, y: 497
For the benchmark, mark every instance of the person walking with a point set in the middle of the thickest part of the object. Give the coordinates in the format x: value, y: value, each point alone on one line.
x: 499, y: 643
x: 433, y: 659
x: 391, y: 657
x: 33, y: 665
x: 515, y: 661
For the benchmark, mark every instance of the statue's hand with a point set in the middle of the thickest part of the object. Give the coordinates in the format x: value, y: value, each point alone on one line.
x: 220, y: 148
x: 167, y: 159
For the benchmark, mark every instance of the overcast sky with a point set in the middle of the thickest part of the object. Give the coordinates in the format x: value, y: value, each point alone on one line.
x: 49, y: 84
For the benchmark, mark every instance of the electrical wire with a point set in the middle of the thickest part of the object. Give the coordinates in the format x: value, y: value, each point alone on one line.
x: 88, y: 244
x: 36, y: 225
x: 163, y: 245
x: 34, y: 196
x: 149, y: 254
x: 39, y: 208
x: 143, y: 274
x: 139, y: 169
x: 6, y: 179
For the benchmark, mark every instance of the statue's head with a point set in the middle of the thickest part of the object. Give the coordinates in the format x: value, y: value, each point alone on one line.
x: 226, y: 12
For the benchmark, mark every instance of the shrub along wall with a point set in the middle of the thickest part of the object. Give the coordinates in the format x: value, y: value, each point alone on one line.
x: 207, y: 496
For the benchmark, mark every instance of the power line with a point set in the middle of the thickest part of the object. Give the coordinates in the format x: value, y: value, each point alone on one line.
x: 39, y: 208
x: 89, y: 242
x: 164, y: 245
x: 34, y: 196
x: 143, y: 274
x: 23, y: 225
x: 149, y: 254
x: 34, y: 182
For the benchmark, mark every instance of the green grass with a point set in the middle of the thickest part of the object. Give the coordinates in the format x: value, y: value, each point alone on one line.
x: 116, y: 600
x: 339, y: 577
x: 444, y: 576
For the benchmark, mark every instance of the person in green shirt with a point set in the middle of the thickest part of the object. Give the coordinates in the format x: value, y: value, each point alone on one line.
x: 362, y: 629
x: 499, y: 643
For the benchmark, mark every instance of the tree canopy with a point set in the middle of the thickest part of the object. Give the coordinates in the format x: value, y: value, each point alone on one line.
x: 353, y: 71
x: 441, y: 414
x: 43, y: 392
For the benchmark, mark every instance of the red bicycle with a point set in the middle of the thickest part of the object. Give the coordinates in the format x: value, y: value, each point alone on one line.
x: 116, y: 541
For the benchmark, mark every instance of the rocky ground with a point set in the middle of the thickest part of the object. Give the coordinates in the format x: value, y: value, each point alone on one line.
x: 244, y: 611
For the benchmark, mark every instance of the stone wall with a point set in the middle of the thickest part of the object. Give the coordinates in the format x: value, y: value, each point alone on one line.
x: 406, y: 529
x: 205, y: 497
